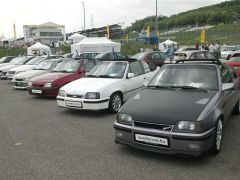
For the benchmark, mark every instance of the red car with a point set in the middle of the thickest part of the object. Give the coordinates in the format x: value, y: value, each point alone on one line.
x: 65, y: 72
x: 234, y: 62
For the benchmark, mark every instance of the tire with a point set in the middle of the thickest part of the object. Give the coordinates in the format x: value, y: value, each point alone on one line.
x: 218, y: 137
x: 236, y: 109
x: 115, y: 103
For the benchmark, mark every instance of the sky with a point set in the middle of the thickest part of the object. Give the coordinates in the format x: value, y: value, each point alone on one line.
x: 70, y: 12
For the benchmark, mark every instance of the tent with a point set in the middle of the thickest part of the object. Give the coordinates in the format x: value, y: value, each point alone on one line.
x: 38, y: 49
x: 167, y: 44
x: 76, y: 38
x: 96, y: 44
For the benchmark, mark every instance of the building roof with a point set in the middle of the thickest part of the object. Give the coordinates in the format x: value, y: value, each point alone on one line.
x: 47, y: 25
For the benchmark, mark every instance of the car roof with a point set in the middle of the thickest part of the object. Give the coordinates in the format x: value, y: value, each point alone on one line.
x: 190, y: 52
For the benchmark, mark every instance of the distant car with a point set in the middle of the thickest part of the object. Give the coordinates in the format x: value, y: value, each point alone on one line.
x: 234, y: 62
x: 29, y: 65
x: 235, y: 54
x: 20, y: 80
x: 106, y: 86
x: 194, y: 54
x: 111, y: 56
x: 83, y: 55
x: 182, y: 111
x: 18, y: 61
x: 65, y: 72
x: 156, y: 57
x: 186, y: 49
x: 227, y: 51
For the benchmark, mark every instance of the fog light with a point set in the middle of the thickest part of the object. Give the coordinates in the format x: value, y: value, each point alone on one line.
x: 119, y: 134
x: 194, y: 146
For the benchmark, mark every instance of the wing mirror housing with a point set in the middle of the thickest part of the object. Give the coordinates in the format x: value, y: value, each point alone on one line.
x: 228, y: 86
x: 152, y: 66
x: 130, y: 75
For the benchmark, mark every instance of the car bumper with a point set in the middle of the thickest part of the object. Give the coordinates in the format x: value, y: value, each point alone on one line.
x: 178, y: 143
x: 20, y: 84
x: 41, y: 91
x: 84, y: 104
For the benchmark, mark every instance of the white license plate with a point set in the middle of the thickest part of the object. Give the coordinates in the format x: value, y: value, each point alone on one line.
x: 151, y: 140
x: 36, y: 91
x: 19, y: 83
x: 74, y: 104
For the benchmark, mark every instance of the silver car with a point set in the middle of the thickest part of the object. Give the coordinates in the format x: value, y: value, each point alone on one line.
x: 182, y: 111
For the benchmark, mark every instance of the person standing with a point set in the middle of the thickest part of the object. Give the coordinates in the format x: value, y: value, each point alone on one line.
x: 218, y: 50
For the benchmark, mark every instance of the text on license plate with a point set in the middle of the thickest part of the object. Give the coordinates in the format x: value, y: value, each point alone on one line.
x: 74, y: 104
x: 36, y: 91
x: 151, y: 139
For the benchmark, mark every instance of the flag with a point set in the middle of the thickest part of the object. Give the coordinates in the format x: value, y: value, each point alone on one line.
x: 127, y: 38
x: 108, y: 32
x: 203, y: 36
x: 148, y: 31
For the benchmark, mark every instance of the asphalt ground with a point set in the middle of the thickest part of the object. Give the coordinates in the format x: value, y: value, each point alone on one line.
x: 40, y: 141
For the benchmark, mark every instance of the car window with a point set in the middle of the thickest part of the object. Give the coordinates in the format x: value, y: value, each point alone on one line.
x: 145, y: 67
x: 210, y: 56
x: 120, y: 56
x: 200, y: 56
x: 110, y: 56
x: 136, y: 68
x: 163, y: 55
x: 225, y: 74
x: 155, y: 56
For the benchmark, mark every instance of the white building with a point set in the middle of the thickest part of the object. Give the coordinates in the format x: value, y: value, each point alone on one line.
x: 47, y: 32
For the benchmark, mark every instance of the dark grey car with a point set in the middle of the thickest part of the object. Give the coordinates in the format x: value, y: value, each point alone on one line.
x: 182, y: 110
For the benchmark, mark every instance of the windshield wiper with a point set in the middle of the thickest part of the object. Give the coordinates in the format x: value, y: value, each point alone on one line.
x: 40, y: 69
x: 91, y: 76
x: 157, y: 86
x: 188, y: 87
x: 105, y: 76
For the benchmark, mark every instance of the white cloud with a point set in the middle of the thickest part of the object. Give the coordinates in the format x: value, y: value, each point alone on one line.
x: 70, y: 12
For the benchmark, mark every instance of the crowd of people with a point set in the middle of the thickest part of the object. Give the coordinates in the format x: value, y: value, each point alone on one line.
x: 214, y: 48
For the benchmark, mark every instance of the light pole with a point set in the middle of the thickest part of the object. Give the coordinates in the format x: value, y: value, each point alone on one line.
x: 84, y: 16
x: 156, y: 19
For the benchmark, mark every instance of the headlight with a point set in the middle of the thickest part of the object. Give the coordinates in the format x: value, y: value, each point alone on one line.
x: 48, y: 85
x: 61, y: 93
x: 29, y: 84
x: 92, y: 95
x: 188, y: 126
x: 124, y: 119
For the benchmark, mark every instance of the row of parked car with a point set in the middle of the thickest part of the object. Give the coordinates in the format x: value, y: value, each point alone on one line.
x: 180, y: 108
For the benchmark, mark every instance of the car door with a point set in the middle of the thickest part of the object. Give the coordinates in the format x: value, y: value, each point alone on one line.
x: 229, y: 96
x: 156, y: 58
x: 133, y: 84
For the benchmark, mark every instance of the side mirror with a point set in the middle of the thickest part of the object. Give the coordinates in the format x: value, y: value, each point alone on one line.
x: 152, y: 66
x: 130, y: 75
x: 228, y: 86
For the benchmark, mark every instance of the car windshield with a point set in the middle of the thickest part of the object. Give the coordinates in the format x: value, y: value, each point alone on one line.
x: 186, y: 77
x: 36, y: 60
x: 139, y: 55
x: 235, y: 59
x: 19, y: 60
x: 108, y: 70
x: 68, y: 66
x: 45, y: 65
x: 3, y: 59
x: 99, y: 56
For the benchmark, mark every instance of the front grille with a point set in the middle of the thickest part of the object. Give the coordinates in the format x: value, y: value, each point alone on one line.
x: 11, y: 72
x: 75, y: 96
x: 37, y: 85
x: 163, y: 127
x: 19, y: 79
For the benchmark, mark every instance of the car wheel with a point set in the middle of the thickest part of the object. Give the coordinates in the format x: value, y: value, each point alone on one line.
x: 217, y: 144
x: 115, y: 102
x: 236, y: 109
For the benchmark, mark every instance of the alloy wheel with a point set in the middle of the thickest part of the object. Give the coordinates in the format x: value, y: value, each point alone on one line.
x: 116, y: 102
x: 219, y: 135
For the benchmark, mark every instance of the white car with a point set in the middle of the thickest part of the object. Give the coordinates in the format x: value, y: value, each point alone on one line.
x: 227, y: 51
x: 106, y: 86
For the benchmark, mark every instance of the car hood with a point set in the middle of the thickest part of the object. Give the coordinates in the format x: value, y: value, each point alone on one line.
x: 83, y: 85
x: 50, y: 77
x: 166, y: 106
x: 7, y: 67
x: 30, y: 74
x: 23, y: 68
x: 4, y: 64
